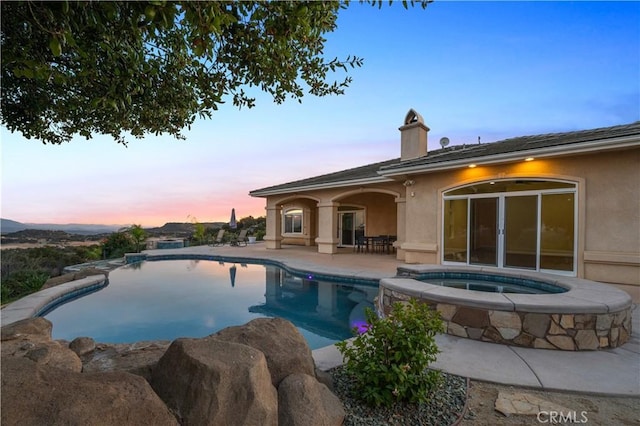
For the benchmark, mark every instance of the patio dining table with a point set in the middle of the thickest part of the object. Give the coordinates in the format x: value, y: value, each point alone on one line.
x: 375, y: 244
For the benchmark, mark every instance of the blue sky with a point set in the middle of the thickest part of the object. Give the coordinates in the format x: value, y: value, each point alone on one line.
x: 488, y: 69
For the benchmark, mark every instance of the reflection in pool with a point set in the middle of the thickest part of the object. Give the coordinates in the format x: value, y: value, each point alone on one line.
x: 492, y: 286
x: 164, y: 300
x: 489, y: 282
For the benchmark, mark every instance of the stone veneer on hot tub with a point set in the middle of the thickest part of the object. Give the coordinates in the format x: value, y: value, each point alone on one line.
x: 588, y: 316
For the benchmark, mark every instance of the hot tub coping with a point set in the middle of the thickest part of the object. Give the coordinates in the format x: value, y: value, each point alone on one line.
x: 582, y: 296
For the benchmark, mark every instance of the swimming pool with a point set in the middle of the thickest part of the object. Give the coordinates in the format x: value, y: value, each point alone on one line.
x: 167, y: 299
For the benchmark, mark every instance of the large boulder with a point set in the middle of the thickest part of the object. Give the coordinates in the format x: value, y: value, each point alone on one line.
x: 281, y: 343
x: 31, y: 338
x: 303, y: 401
x: 31, y: 327
x: 35, y: 394
x: 212, y: 382
x: 82, y: 345
x: 138, y: 358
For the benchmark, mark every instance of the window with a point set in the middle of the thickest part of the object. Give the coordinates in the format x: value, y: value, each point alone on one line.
x: 293, y: 221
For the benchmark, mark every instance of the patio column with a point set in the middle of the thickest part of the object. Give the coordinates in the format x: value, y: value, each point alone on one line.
x: 401, y: 226
x: 273, y: 239
x: 327, y: 240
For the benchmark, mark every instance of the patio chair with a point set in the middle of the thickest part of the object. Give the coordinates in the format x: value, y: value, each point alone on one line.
x: 218, y: 241
x: 361, y: 244
x: 241, y: 239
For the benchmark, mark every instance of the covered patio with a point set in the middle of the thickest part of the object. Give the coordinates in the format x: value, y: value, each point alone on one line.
x: 362, y: 221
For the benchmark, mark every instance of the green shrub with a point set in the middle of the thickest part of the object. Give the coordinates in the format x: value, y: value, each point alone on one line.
x: 21, y: 283
x: 117, y: 244
x: 388, y: 363
x: 24, y: 271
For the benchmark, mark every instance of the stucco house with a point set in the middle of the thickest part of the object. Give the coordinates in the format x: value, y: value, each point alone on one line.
x: 564, y: 203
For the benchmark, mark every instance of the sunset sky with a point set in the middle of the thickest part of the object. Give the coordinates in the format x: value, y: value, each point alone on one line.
x: 488, y: 69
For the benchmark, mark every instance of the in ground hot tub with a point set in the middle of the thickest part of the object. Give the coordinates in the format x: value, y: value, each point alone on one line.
x: 170, y: 244
x: 545, y: 311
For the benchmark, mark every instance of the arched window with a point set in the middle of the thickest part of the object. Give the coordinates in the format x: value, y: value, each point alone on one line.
x: 523, y: 223
x: 293, y: 221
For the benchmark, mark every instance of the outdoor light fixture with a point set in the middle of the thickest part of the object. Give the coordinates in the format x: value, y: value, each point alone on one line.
x: 529, y: 159
x: 472, y: 166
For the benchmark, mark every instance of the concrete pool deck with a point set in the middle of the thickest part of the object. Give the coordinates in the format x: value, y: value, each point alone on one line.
x: 606, y: 372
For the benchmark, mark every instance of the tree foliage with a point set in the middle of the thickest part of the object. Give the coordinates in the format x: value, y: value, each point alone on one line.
x: 138, y: 235
x: 117, y: 244
x: 24, y: 271
x: 132, y: 68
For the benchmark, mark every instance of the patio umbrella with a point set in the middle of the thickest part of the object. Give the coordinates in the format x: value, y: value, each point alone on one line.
x: 232, y: 275
x: 232, y: 223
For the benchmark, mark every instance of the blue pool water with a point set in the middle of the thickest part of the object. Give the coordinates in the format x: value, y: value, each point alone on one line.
x: 164, y: 300
x: 489, y: 283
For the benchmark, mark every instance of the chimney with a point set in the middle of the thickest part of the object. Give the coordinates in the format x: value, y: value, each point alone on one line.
x: 413, y: 137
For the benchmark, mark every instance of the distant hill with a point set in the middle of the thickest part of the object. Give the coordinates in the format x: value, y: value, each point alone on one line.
x: 180, y: 228
x: 8, y: 226
x: 171, y: 228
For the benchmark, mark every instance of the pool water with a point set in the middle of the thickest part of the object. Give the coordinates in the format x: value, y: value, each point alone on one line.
x: 164, y: 300
x: 492, y: 285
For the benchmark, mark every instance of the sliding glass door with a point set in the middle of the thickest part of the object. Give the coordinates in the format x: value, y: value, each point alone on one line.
x: 527, y: 225
x: 483, y: 238
x: 520, y: 231
x: 350, y: 227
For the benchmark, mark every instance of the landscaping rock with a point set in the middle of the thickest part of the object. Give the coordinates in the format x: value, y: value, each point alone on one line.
x: 53, y: 354
x: 31, y: 338
x: 35, y: 394
x: 138, y: 358
x: 303, y: 401
x: 214, y: 382
x: 526, y: 404
x: 325, y: 378
x: 82, y: 345
x: 283, y: 346
x: 27, y: 327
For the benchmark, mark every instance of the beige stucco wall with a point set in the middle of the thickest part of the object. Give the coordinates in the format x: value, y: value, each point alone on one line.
x: 608, y: 209
x: 381, y: 212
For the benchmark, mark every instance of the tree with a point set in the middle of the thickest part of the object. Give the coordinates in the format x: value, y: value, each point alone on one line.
x: 138, y: 235
x: 199, y: 230
x: 117, y: 244
x: 118, y: 68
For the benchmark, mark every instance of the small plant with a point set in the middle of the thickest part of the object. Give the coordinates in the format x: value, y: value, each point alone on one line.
x: 388, y: 362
